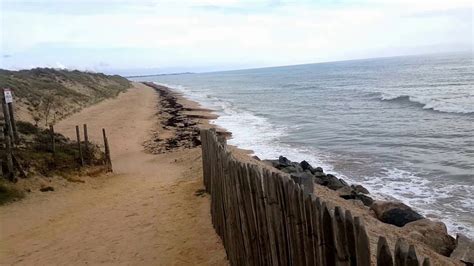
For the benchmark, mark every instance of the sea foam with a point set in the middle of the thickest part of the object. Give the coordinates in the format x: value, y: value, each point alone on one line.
x: 257, y: 133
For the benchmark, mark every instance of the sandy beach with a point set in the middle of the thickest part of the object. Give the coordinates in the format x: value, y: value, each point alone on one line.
x: 148, y: 212
x: 152, y: 209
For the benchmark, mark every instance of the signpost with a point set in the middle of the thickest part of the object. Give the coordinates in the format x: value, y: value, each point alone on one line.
x: 8, y: 95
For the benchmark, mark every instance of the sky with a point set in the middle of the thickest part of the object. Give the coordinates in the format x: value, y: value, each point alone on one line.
x: 164, y: 36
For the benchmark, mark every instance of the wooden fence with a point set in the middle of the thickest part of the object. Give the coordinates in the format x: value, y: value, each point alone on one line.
x: 10, y: 139
x: 264, y: 218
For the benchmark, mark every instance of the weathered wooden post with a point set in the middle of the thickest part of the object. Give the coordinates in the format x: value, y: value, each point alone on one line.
x: 9, y: 155
x: 2, y: 140
x: 363, y: 245
x: 401, y: 251
x: 6, y: 116
x: 86, y: 144
x: 78, y: 135
x: 13, y: 122
x: 411, y: 258
x: 384, y: 256
x: 53, y: 140
x: 426, y: 262
x: 342, y: 251
x: 108, y: 160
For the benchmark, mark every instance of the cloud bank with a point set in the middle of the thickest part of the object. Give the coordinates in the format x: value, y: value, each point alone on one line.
x: 209, y: 35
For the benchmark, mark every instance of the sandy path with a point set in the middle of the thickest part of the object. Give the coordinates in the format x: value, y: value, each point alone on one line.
x: 146, y: 213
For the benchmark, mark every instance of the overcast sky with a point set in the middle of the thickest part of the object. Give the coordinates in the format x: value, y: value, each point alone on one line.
x: 192, y: 35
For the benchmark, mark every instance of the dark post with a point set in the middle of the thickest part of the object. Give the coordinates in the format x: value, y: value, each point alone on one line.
x: 2, y: 138
x: 108, y: 160
x: 13, y: 123
x: 53, y: 141
x: 86, y: 144
x: 78, y: 135
x: 6, y: 116
x: 11, y: 170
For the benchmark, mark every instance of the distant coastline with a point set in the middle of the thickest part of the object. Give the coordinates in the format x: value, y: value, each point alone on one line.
x: 155, y: 75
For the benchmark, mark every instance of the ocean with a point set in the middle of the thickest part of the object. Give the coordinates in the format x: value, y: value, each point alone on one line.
x: 402, y: 126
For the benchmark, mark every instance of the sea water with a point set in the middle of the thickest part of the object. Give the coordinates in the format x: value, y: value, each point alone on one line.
x: 402, y: 126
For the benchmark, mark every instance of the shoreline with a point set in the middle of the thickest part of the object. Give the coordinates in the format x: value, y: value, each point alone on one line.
x: 375, y: 226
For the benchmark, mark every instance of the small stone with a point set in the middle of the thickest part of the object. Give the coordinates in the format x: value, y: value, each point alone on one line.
x: 46, y: 189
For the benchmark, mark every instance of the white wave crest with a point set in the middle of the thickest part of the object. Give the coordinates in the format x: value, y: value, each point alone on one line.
x: 459, y: 105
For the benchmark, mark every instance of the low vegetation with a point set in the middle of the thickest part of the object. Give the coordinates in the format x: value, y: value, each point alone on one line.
x: 45, y: 95
x: 42, y: 96
x: 8, y: 193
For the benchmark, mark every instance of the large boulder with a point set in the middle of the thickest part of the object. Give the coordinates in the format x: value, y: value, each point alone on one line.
x: 433, y: 234
x: 349, y: 193
x: 306, y: 166
x: 332, y: 182
x: 306, y: 180
x: 464, y: 250
x: 395, y: 213
x: 290, y: 170
x: 360, y: 189
x: 272, y: 163
x: 318, y: 170
x: 284, y: 162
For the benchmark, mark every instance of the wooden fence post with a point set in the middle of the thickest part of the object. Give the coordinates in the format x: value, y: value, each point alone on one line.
x: 351, y: 238
x: 86, y: 144
x: 108, y: 160
x: 363, y: 245
x: 411, y: 258
x: 401, y: 252
x: 6, y: 116
x: 53, y: 140
x: 329, y: 248
x: 78, y: 135
x: 341, y: 239
x: 384, y: 256
x: 9, y: 155
x: 2, y: 140
x: 426, y: 262
x: 16, y: 138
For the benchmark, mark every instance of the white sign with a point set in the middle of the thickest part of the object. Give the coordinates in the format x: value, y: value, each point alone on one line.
x: 8, y: 95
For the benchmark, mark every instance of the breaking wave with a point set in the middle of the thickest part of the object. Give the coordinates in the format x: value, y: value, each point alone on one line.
x: 459, y: 105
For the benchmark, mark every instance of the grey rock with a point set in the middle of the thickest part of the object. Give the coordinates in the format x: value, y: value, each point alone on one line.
x: 348, y: 193
x: 332, y: 182
x: 464, y: 250
x: 319, y: 174
x: 343, y: 182
x: 360, y: 189
x: 272, y: 163
x: 306, y: 180
x: 306, y: 166
x: 289, y: 170
x: 283, y: 161
x: 395, y: 213
x: 433, y: 234
x: 318, y: 170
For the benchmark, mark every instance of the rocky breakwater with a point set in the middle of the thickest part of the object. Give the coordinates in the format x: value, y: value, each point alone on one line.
x: 432, y: 233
